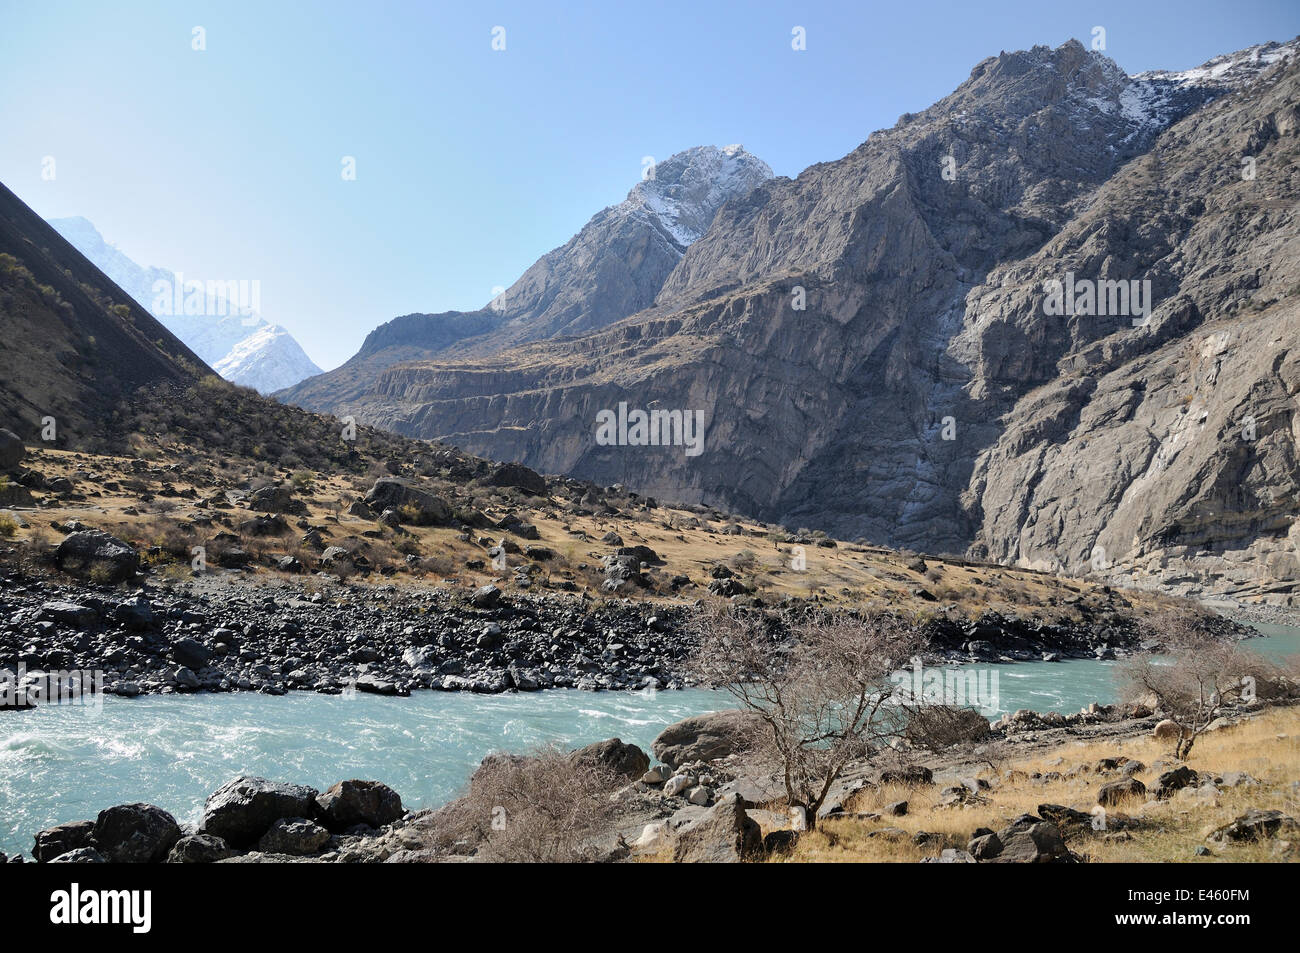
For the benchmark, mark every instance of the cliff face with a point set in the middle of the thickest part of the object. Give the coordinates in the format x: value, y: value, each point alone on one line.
x: 874, y: 349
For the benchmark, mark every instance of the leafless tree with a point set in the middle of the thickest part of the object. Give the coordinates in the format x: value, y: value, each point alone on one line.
x: 819, y: 687
x: 1194, y: 677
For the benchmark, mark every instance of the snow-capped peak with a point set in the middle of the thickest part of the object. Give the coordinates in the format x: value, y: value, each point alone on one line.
x: 1151, y: 97
x: 243, y: 348
x: 1231, y: 69
x: 685, y: 191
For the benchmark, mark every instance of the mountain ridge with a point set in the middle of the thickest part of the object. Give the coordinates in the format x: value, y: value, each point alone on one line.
x: 894, y: 260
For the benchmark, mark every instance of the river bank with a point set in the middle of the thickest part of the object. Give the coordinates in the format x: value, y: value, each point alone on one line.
x: 221, y: 634
x: 60, y: 763
x: 1044, y: 775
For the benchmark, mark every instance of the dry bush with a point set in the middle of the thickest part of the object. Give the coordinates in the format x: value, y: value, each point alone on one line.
x: 545, y: 807
x: 940, y: 727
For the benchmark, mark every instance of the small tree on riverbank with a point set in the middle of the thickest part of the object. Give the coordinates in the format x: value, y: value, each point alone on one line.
x: 1194, y: 678
x: 820, y: 687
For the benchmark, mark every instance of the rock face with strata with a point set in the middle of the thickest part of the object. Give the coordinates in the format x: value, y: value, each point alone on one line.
x: 874, y: 353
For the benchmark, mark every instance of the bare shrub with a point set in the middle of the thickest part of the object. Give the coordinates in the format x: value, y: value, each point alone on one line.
x: 821, y: 688
x: 940, y: 727
x: 1198, y: 676
x: 544, y: 807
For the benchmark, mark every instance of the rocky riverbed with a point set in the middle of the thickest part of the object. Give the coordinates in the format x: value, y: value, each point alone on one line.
x: 220, y: 633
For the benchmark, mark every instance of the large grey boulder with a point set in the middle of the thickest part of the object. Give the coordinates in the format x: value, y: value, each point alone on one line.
x: 199, y: 849
x: 706, y: 737
x: 135, y: 834
x: 12, y: 450
x: 242, y: 810
x: 295, y: 836
x: 723, y: 835
x: 519, y: 476
x: 82, y: 855
x: 191, y: 654
x: 1027, y: 840
x: 276, y: 498
x: 97, y: 554
x: 413, y: 505
x: 1173, y: 781
x: 616, y: 756
x: 348, y: 803
x: 1117, y: 792
x: 53, y: 841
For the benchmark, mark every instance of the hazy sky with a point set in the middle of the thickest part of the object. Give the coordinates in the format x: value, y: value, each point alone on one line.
x: 226, y: 163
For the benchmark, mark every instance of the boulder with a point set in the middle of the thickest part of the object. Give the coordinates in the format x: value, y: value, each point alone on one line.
x: 725, y: 834
x: 1116, y: 792
x: 1166, y: 730
x: 519, y: 476
x: 1173, y: 781
x: 486, y: 597
x: 242, y: 810
x: 950, y: 855
x: 134, y: 613
x: 91, y: 551
x: 295, y: 836
x: 359, y: 802
x: 706, y: 737
x: 1256, y: 824
x: 52, y: 842
x: 199, y: 849
x: 135, y: 834
x: 191, y: 654
x: 1029, y: 840
x: 415, y: 505
x: 625, y: 760
x: 12, y: 450
x: 69, y: 613
x: 984, y: 846
x: 276, y: 499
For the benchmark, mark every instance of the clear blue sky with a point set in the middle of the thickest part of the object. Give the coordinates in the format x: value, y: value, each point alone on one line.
x: 471, y: 163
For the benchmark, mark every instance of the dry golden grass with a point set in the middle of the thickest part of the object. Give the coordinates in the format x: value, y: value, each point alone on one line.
x: 864, y: 576
x: 1266, y: 747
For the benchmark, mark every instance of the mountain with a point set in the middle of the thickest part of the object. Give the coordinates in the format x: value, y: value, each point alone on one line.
x: 241, y: 345
x: 613, y: 267
x: 73, y: 345
x: 925, y: 395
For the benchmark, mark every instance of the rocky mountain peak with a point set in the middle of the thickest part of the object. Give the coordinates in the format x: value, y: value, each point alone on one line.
x: 685, y: 191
